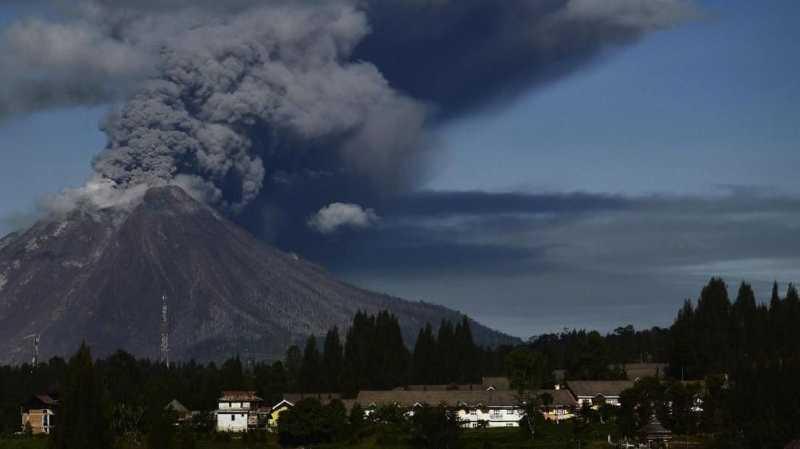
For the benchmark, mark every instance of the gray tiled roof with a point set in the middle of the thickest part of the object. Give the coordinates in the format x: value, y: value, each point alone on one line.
x: 497, y: 398
x: 594, y: 387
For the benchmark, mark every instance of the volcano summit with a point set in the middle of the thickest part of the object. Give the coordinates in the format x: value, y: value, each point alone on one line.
x: 99, y: 276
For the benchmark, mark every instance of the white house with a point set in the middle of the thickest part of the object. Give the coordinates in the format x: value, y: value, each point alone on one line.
x: 238, y: 411
x: 474, y: 408
x: 590, y: 392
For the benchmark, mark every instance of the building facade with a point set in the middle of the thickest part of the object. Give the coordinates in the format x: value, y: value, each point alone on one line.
x: 591, y: 392
x: 239, y: 411
x: 38, y: 414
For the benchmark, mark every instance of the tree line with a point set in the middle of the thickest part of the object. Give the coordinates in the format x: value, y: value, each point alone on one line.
x: 746, y: 352
x: 374, y: 357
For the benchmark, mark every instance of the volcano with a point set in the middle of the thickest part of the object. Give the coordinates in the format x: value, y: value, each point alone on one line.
x: 99, y: 276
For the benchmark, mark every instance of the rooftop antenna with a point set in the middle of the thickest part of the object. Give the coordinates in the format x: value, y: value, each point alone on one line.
x: 35, y: 337
x: 164, y: 331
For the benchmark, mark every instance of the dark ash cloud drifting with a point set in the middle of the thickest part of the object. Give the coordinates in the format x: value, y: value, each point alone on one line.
x: 246, y: 103
x: 531, y: 263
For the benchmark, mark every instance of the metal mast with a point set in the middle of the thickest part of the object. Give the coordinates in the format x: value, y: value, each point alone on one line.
x: 35, y: 337
x: 164, y: 331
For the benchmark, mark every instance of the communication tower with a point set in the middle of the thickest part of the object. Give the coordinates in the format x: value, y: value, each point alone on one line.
x: 164, y: 331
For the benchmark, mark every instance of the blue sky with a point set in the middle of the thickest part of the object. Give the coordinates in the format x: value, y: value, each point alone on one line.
x: 712, y: 103
x: 708, y: 109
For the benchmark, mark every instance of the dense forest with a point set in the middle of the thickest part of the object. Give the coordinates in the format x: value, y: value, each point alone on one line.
x: 746, y: 352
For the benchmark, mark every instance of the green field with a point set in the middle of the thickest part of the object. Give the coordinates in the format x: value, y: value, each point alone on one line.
x: 549, y: 436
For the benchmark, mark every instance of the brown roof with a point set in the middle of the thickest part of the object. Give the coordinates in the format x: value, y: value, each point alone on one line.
x: 442, y: 387
x: 46, y: 399
x: 294, y: 398
x: 639, y: 370
x: 474, y: 398
x: 42, y: 401
x: 176, y: 406
x: 499, y: 383
x: 324, y: 398
x: 593, y: 388
x: 236, y: 395
x: 654, y: 430
x: 793, y: 445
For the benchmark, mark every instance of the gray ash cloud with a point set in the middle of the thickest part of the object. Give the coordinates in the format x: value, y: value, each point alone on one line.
x: 272, y: 110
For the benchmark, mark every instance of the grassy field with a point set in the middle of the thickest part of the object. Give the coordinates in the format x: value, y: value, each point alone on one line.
x: 23, y: 443
x: 549, y: 436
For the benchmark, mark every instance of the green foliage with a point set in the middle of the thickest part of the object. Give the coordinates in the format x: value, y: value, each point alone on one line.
x: 332, y: 361
x: 434, y: 428
x: 162, y: 431
x: 309, y: 422
x: 639, y: 404
x: 749, y: 354
x: 82, y: 421
x: 375, y: 356
x: 310, y: 380
x: 526, y: 369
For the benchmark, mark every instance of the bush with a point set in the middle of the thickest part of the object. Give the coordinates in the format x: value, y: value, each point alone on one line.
x: 434, y: 428
x: 308, y: 422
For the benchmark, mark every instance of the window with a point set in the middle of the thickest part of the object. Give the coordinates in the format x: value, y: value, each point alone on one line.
x: 233, y: 417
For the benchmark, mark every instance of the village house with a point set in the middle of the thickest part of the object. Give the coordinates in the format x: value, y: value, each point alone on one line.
x: 487, y: 383
x: 182, y: 414
x: 277, y: 409
x: 496, y: 383
x: 474, y: 408
x: 491, y: 403
x: 590, y: 392
x: 240, y: 411
x: 38, y: 414
x: 290, y: 399
x: 636, y: 371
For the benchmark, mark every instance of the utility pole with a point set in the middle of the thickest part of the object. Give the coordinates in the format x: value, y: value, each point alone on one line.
x: 164, y: 331
x: 35, y: 337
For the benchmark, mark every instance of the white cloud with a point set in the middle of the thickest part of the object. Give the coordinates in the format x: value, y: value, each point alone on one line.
x: 335, y: 216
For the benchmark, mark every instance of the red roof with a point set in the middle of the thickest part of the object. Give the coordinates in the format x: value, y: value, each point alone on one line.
x: 240, y: 396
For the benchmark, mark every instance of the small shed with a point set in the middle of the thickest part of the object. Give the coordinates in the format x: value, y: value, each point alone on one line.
x: 38, y: 414
x: 655, y: 434
x: 181, y: 412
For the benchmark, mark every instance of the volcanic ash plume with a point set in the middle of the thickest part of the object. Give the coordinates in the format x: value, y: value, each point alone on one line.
x: 296, y: 105
x: 233, y: 93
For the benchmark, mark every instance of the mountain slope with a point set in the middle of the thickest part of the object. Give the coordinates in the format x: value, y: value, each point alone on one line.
x: 100, y: 275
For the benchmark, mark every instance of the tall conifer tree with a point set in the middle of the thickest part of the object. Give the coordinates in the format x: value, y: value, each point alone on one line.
x: 83, y: 417
x: 332, y: 361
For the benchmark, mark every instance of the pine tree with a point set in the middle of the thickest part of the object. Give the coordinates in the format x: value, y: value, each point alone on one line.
x: 444, y: 353
x: 83, y: 417
x: 466, y: 353
x: 310, y: 369
x: 233, y: 374
x: 743, y: 331
x: 683, y: 354
x: 332, y: 361
x: 713, y: 316
x: 424, y: 358
x: 390, y: 352
x: 356, y: 353
x: 294, y: 362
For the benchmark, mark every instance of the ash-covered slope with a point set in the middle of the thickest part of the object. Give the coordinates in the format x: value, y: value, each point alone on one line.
x: 100, y: 276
